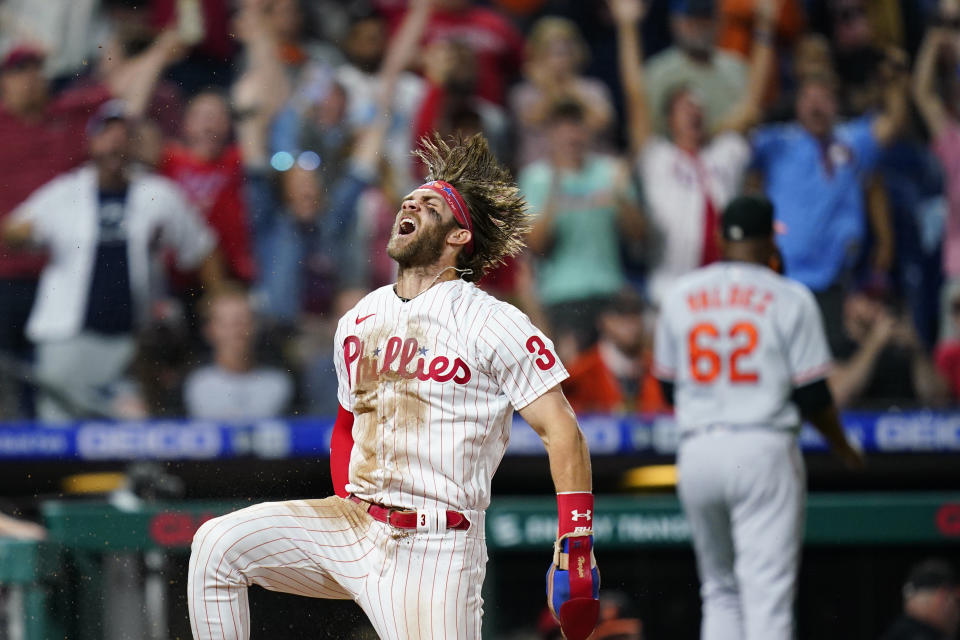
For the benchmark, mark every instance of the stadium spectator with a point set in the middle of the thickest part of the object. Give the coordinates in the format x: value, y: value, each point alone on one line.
x: 615, y: 376
x: 307, y: 243
x: 451, y: 105
x: 939, y: 108
x: 164, y: 106
x: 737, y: 24
x: 103, y: 225
x: 70, y: 32
x: 204, y: 25
x: 583, y: 203
x: 718, y: 77
x: 233, y: 386
x: 206, y: 164
x: 42, y: 135
x: 556, y: 56
x: 880, y: 361
x: 814, y: 171
x: 496, y: 43
x: 287, y: 22
x: 931, y: 604
x: 689, y: 176
x: 947, y: 354
x: 364, y: 48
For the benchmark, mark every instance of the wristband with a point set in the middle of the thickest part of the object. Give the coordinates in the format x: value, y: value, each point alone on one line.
x: 574, y: 512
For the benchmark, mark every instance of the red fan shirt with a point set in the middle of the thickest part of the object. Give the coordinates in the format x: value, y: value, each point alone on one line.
x: 216, y: 188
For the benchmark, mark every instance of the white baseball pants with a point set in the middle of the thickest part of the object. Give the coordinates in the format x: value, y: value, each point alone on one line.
x: 411, y: 584
x: 744, y: 494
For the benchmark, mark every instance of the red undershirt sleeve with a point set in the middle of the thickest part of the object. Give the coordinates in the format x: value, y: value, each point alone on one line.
x: 341, y: 444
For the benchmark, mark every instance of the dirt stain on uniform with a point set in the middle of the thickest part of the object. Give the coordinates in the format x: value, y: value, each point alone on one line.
x: 388, y: 362
x: 366, y: 402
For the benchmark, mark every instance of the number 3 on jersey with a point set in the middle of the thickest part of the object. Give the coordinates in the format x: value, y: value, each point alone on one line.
x: 706, y: 364
x: 536, y: 346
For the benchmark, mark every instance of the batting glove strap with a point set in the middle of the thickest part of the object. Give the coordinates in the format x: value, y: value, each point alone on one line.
x: 573, y: 585
x: 561, y: 554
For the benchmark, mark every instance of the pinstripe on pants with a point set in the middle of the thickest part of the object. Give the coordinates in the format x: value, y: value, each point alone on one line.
x: 410, y: 584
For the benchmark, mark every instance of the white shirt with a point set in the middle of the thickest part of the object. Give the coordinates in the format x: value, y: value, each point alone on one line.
x: 63, y: 215
x: 736, y: 339
x: 216, y: 394
x: 432, y: 384
x: 673, y: 182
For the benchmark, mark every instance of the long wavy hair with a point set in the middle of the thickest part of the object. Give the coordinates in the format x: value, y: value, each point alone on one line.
x: 497, y: 210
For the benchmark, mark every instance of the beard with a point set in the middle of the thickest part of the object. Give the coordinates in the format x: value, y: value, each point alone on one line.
x: 423, y: 250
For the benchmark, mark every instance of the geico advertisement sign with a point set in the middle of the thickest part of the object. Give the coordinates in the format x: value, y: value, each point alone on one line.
x: 157, y: 441
x: 918, y: 432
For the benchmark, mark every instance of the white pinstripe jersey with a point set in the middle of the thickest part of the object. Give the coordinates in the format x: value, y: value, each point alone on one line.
x: 432, y: 384
x: 736, y: 339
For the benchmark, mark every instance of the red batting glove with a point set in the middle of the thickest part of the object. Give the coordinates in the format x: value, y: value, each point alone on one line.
x: 573, y: 581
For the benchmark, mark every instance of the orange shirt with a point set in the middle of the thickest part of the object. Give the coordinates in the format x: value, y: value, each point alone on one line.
x: 735, y: 32
x: 592, y: 387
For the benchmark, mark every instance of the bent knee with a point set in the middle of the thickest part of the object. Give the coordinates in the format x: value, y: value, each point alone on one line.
x: 203, y: 535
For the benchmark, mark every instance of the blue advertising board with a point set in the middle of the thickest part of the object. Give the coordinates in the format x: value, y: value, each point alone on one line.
x: 900, y: 432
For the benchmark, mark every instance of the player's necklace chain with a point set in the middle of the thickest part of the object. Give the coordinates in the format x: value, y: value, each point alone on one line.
x: 462, y: 272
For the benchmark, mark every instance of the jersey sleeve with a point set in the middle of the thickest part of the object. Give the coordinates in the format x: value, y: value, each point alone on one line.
x: 518, y: 356
x: 344, y: 397
x: 808, y: 354
x: 664, y: 348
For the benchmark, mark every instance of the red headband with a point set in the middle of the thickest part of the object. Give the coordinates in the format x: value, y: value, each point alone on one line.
x: 456, y: 203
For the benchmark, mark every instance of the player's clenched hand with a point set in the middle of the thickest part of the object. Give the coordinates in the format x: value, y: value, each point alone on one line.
x: 573, y: 580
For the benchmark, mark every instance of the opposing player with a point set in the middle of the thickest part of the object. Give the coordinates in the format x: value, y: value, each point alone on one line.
x: 430, y: 370
x: 741, y: 353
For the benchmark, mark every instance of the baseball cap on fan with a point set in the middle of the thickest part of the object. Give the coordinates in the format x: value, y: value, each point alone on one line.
x: 747, y: 217
x: 109, y: 111
x: 930, y: 574
x: 22, y: 55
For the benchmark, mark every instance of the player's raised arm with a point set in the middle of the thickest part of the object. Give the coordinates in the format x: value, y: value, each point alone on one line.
x: 573, y: 581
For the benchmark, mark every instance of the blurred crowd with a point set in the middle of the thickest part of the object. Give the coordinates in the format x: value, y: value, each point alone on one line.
x: 194, y: 191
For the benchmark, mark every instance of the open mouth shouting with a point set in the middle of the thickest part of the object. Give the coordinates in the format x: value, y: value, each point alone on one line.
x: 407, y: 225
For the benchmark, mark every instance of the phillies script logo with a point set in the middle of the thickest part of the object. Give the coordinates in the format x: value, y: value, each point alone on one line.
x: 403, y: 353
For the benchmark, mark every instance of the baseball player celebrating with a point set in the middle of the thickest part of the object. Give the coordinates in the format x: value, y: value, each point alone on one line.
x: 741, y: 353
x: 430, y: 370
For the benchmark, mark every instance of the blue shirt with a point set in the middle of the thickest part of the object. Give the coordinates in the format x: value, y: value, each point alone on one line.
x: 817, y: 193
x: 110, y: 299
